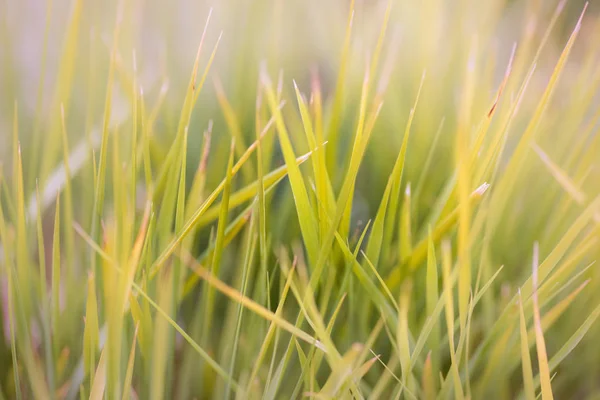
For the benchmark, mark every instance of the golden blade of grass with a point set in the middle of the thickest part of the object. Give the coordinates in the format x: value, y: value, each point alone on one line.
x: 97, y: 390
x: 113, y: 314
x: 525, y: 358
x: 262, y: 207
x: 177, y: 268
x: 432, y: 297
x: 405, y: 230
x: 463, y: 183
x: 129, y: 373
x: 323, y: 184
x: 23, y: 260
x: 8, y: 266
x: 135, y: 149
x: 200, y: 84
x: 402, y: 338
x: 56, y: 280
x: 134, y: 258
x: 90, y: 333
x: 539, y: 332
x: 341, y: 374
x: 361, y: 371
x: 449, y: 300
x: 306, y: 216
x: 428, y: 383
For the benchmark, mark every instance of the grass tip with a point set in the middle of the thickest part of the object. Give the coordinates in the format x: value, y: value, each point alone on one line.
x: 480, y: 191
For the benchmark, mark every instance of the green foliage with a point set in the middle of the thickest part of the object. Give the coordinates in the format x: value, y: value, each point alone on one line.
x: 336, y: 200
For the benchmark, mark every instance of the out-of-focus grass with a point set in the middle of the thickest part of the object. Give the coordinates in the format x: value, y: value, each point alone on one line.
x: 332, y: 199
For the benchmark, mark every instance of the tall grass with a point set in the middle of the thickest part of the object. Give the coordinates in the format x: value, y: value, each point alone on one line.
x: 335, y: 200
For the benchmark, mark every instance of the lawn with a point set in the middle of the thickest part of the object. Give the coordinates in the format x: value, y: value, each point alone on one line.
x: 276, y: 199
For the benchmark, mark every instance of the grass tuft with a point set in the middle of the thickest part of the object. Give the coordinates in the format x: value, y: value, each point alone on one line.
x: 279, y: 202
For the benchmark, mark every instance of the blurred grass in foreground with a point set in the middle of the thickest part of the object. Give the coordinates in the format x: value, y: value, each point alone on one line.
x: 332, y: 199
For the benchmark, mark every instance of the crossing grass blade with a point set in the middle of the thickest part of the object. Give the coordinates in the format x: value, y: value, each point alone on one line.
x: 193, y: 221
x: 91, y: 333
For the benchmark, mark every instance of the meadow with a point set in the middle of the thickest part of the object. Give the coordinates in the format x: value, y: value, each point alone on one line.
x: 276, y: 199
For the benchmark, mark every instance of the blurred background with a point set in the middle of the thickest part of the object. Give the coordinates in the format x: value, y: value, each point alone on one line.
x: 293, y: 38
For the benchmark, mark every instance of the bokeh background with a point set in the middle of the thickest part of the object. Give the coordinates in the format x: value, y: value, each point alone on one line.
x: 293, y: 38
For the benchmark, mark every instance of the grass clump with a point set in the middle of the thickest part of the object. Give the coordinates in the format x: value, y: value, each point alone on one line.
x: 342, y: 200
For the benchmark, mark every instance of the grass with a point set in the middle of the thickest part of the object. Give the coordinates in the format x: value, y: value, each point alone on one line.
x: 334, y: 200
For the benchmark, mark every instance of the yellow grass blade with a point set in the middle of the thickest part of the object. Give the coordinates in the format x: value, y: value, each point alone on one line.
x: 97, y: 391
x: 539, y: 333
x: 525, y: 358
